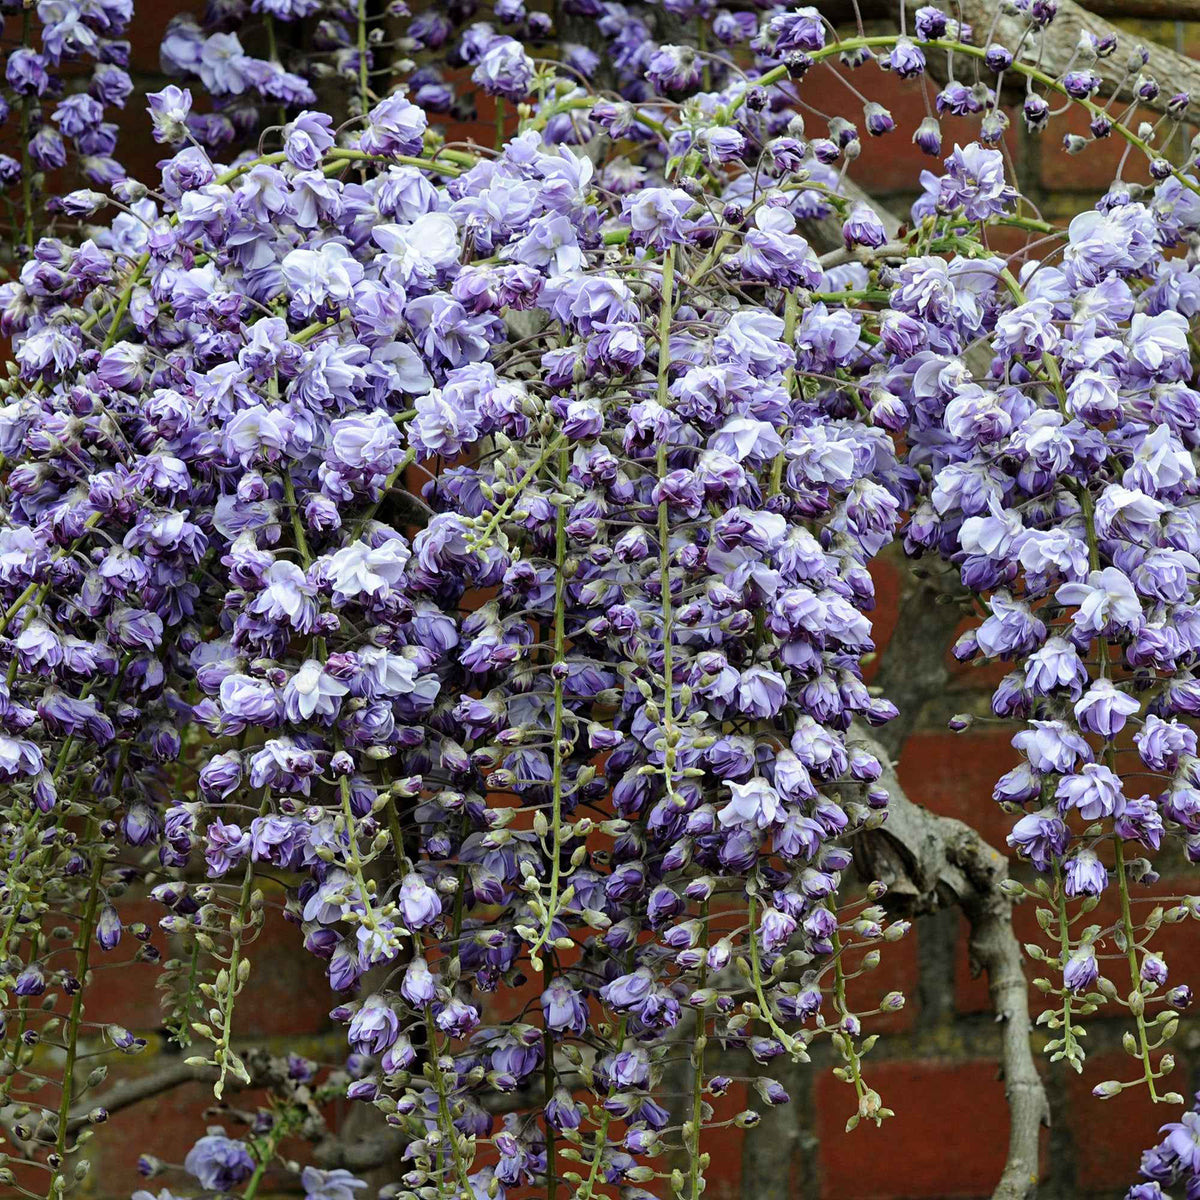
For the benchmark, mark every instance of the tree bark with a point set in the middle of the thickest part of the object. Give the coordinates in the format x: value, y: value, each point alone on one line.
x: 842, y: 11
x: 931, y: 862
x: 912, y: 667
x: 1053, y: 50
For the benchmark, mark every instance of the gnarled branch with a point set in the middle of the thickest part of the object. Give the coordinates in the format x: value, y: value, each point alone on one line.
x: 1053, y: 49
x: 929, y: 863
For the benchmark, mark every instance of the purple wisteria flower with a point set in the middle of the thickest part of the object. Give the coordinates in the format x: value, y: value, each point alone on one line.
x: 476, y: 545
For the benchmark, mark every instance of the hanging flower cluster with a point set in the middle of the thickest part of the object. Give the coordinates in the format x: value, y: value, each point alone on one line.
x: 55, y: 110
x: 246, y: 91
x: 640, y: 577
x: 1061, y: 486
x: 479, y: 543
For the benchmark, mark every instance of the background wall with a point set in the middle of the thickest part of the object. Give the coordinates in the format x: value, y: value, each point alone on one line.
x: 936, y: 1064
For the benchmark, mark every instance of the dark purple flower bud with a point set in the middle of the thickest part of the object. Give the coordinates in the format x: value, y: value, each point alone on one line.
x: 30, y: 981
x: 863, y: 228
x: 998, y: 58
x: 772, y: 1091
x: 1145, y: 88
x: 1086, y: 875
x: 562, y: 1113
x: 1154, y: 970
x: 1080, y: 84
x: 48, y: 149
x: 1081, y: 970
x: 798, y: 64
x: 826, y: 151
x: 1179, y: 997
x: 563, y: 1008
x: 906, y: 59
x: 108, y: 928
x: 418, y: 986
x: 878, y: 120
x: 929, y: 23
x: 673, y: 69
x: 786, y: 153
x: 363, y: 1089
x: 26, y: 73
x: 148, y: 1166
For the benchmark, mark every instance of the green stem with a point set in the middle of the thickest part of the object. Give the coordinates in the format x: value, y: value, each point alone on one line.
x: 369, y: 918
x: 83, y: 946
x: 785, y: 1038
x: 484, y: 538
x: 665, y: 313
x: 445, y: 1118
x: 1135, y: 979
x: 364, y: 95
x: 548, y: 1087
x: 587, y: 1190
x: 842, y: 1007
x: 699, y: 1041
x: 791, y: 310
x: 233, y: 983
x: 1070, y: 1047
x: 280, y: 1129
x: 289, y: 494
x: 82, y: 951
x: 556, y: 836
x: 664, y: 528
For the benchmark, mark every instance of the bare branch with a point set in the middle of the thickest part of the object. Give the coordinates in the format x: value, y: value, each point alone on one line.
x: 1053, y: 50
x: 842, y: 11
x: 912, y: 667
x: 929, y: 863
x: 127, y: 1092
x: 373, y: 1149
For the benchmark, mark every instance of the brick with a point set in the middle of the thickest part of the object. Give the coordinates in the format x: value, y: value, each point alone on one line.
x: 886, y: 578
x: 948, y: 1138
x: 1091, y: 171
x: 971, y: 994
x: 892, y: 163
x: 725, y: 1145
x: 123, y: 991
x: 1110, y: 1135
x: 166, y: 1127
x: 288, y: 993
x: 137, y: 152
x: 953, y: 774
x: 898, y: 971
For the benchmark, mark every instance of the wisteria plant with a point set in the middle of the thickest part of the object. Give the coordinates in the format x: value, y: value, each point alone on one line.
x: 468, y: 548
